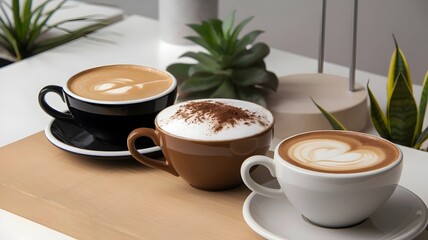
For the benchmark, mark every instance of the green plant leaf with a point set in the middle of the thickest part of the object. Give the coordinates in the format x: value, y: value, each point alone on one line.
x: 402, y: 113
x: 215, y: 29
x: 246, y: 40
x: 398, y: 65
x: 228, y: 25
x: 203, y: 43
x: 271, y: 81
x: 422, y: 105
x: 249, y: 76
x: 180, y: 71
x: 203, y: 58
x: 334, y: 122
x: 225, y: 90
x: 17, y: 19
x: 251, y: 94
x: 21, y: 34
x: 378, y: 117
x: 56, y: 41
x: 421, y: 138
x: 253, y: 55
x: 235, y: 33
x: 200, y: 83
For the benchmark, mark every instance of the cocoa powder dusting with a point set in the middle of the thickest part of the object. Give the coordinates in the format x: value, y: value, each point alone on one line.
x: 219, y: 114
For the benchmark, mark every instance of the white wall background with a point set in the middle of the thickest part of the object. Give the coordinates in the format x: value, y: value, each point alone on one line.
x: 293, y: 25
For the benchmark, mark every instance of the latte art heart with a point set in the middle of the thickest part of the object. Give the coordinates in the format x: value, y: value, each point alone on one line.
x: 331, y: 154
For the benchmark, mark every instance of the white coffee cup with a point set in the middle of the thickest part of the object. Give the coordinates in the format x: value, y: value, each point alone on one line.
x: 331, y: 194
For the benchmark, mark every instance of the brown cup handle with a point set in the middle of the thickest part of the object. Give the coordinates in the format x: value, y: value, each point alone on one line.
x: 154, y: 135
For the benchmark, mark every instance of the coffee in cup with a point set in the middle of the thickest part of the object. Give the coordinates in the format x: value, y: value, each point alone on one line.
x: 336, y: 152
x: 333, y: 178
x: 120, y: 83
x: 111, y: 101
x: 205, y: 141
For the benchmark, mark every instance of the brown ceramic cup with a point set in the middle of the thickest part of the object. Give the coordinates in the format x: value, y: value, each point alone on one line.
x: 206, y: 141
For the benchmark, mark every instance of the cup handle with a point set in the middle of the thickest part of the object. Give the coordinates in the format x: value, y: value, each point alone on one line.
x: 254, y: 186
x: 48, y: 109
x: 154, y: 135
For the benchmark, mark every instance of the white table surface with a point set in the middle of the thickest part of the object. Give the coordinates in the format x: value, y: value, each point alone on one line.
x: 136, y: 40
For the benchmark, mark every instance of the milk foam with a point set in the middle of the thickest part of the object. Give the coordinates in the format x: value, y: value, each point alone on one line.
x: 202, y: 130
x: 331, y: 154
x: 122, y: 86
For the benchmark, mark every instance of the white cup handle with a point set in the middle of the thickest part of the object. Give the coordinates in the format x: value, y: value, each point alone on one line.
x: 254, y: 186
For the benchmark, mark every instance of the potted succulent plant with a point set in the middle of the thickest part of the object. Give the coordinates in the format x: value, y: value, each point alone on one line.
x: 231, y: 67
x: 22, y: 25
x: 403, y: 121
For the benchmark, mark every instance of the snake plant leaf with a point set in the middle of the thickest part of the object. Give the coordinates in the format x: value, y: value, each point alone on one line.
x: 421, y: 138
x: 422, y: 105
x: 200, y: 83
x: 225, y: 90
x: 334, y: 122
x: 251, y: 94
x: 377, y: 116
x: 398, y: 65
x: 253, y: 55
x: 249, y: 76
x: 180, y: 71
x: 403, y: 113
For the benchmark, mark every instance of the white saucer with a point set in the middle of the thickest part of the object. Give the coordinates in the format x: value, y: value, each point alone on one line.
x: 404, y: 216
x: 70, y: 137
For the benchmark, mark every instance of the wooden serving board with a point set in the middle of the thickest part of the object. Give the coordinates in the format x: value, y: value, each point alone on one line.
x: 88, y: 198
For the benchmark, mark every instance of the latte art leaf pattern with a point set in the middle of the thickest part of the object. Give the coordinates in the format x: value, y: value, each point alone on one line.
x: 122, y: 86
x: 330, y: 154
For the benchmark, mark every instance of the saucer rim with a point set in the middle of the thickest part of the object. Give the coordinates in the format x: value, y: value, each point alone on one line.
x: 255, y: 226
x: 87, y: 152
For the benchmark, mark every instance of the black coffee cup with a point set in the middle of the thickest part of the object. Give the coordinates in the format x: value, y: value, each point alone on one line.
x: 111, y: 101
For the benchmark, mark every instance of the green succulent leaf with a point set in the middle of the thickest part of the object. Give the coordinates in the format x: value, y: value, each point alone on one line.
x: 334, y: 122
x: 225, y: 90
x: 231, y: 67
x: 378, y: 117
x: 246, y: 40
x: 402, y: 113
x: 215, y: 29
x: 422, y: 105
x: 253, y: 55
x: 203, y: 58
x: 180, y: 71
x: 200, y: 83
x: 251, y: 94
x: 249, y: 76
x: 227, y: 25
x: 271, y: 81
x: 239, y: 27
x: 195, y: 95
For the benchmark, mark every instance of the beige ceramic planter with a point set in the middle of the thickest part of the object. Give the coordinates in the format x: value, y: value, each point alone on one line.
x: 295, y: 112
